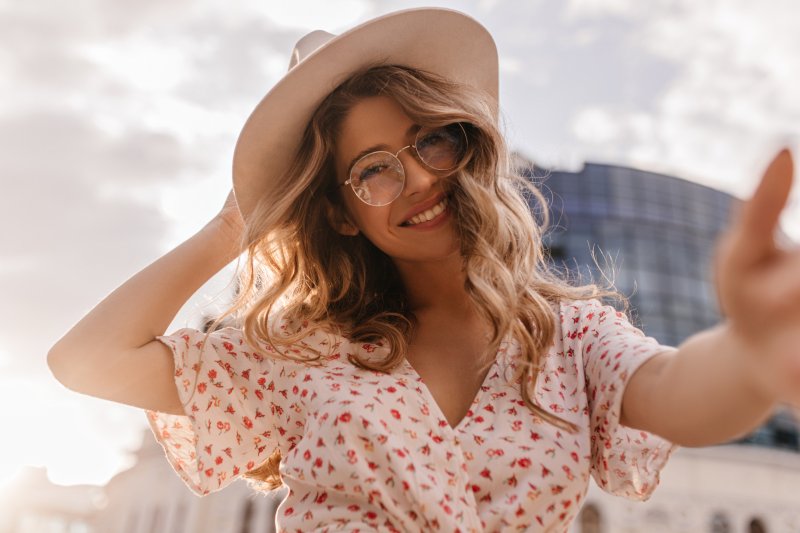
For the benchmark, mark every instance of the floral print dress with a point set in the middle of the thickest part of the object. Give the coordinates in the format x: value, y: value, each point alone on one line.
x: 367, y: 451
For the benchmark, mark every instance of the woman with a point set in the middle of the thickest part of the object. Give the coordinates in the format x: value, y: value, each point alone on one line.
x: 401, y: 357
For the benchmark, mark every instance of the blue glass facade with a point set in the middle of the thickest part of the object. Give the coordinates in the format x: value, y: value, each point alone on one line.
x: 654, y: 236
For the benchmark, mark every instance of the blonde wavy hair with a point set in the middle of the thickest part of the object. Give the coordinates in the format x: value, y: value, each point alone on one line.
x: 321, y: 280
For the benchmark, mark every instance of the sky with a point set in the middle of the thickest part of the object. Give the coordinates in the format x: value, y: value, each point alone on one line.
x: 118, y: 121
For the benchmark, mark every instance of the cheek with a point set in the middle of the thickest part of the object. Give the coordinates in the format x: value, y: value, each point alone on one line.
x: 367, y: 218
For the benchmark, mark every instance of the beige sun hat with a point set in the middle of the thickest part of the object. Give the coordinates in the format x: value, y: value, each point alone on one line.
x: 443, y: 41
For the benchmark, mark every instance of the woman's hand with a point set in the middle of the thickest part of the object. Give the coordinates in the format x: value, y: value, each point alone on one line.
x: 758, y: 285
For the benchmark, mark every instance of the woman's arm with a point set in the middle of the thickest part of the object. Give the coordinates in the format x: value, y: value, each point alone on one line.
x: 723, y: 382
x: 112, y: 352
x: 705, y: 393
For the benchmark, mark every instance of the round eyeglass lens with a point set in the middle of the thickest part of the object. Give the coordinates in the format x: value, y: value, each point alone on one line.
x: 378, y: 178
x: 442, y: 148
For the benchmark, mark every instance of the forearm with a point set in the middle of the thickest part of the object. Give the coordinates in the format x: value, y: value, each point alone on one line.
x: 708, y: 392
x: 143, y: 307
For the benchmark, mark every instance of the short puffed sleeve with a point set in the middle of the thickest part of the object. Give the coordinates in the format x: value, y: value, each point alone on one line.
x: 625, y: 461
x: 226, y: 430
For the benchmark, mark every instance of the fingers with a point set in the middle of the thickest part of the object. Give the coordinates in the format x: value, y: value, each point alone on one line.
x: 758, y: 218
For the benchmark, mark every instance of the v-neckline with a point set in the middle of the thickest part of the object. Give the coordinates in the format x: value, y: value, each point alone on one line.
x: 435, y: 405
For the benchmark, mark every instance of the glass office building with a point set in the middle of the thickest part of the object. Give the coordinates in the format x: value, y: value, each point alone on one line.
x: 653, y: 236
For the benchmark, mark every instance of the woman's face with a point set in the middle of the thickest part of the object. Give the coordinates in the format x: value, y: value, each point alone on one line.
x: 379, y: 123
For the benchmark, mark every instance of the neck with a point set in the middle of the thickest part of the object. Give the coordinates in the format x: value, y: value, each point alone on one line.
x: 436, y: 286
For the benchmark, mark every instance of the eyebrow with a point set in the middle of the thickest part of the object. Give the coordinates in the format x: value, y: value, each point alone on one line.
x: 378, y: 147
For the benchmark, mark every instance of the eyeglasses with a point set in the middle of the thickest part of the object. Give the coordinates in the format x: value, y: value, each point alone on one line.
x: 378, y: 178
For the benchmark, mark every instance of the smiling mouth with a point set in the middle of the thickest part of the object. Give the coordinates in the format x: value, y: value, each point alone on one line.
x: 427, y: 215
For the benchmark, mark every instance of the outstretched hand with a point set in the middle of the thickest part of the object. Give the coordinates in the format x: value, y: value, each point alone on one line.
x: 758, y: 285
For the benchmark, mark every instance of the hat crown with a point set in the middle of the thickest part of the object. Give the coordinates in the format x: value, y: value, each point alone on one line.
x: 308, y: 44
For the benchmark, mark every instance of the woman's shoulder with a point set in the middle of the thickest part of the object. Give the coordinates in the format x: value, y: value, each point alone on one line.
x: 588, y: 310
x: 590, y: 318
x: 283, y: 339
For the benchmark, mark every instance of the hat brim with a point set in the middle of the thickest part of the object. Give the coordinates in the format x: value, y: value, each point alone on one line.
x: 443, y: 41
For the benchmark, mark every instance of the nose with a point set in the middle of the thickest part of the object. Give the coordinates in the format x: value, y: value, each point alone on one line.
x: 419, y: 178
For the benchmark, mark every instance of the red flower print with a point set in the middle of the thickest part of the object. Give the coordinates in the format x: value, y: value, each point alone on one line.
x: 449, y: 468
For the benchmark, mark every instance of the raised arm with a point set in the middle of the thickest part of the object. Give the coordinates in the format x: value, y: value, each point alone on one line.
x: 112, y: 353
x: 723, y: 382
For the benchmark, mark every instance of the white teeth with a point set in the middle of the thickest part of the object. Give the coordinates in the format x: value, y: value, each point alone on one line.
x: 429, y: 214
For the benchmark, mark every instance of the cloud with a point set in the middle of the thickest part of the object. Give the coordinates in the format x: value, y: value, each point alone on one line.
x: 105, y: 105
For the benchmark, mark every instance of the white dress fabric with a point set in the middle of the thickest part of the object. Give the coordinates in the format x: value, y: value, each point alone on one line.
x: 367, y: 451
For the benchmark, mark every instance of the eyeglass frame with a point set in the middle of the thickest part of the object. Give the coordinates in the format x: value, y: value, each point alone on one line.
x: 413, y: 145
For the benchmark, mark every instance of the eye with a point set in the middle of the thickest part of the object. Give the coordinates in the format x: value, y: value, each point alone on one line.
x: 431, y: 139
x: 372, y: 171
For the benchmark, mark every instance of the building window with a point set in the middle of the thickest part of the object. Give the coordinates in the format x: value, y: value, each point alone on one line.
x: 247, y: 517
x: 155, y: 522
x: 720, y: 523
x: 756, y: 526
x: 590, y: 519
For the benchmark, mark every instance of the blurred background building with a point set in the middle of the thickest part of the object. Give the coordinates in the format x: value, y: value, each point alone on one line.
x: 653, y: 236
